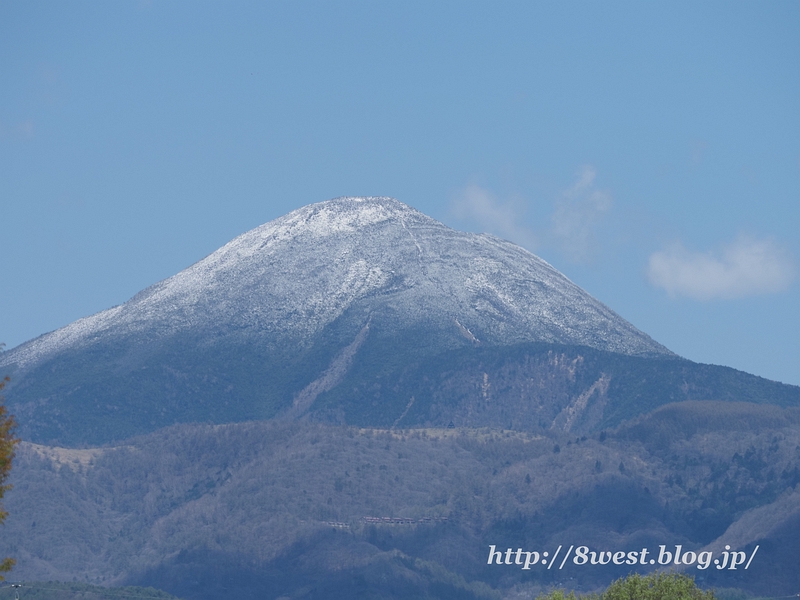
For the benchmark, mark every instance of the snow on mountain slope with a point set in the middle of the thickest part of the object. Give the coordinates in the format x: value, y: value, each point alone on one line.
x: 288, y: 279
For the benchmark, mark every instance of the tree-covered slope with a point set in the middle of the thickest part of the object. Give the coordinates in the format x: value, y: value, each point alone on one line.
x: 276, y: 508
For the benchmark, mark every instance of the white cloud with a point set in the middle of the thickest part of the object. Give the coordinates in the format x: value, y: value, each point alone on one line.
x: 746, y: 267
x: 577, y: 213
x: 499, y: 218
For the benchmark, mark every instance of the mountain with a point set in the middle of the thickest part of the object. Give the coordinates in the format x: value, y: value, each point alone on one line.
x: 264, y: 325
x: 356, y: 401
x: 370, y: 263
x: 357, y: 311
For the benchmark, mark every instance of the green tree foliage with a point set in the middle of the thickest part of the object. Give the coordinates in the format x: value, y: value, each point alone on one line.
x: 563, y: 595
x: 655, y: 586
x: 7, y: 444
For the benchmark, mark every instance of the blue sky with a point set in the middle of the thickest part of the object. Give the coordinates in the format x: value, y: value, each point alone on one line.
x: 648, y: 150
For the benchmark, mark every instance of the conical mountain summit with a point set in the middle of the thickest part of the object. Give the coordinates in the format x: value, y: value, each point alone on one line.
x: 289, y: 279
x: 287, y: 298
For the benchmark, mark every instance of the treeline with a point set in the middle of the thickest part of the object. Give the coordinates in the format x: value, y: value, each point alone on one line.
x: 56, y: 590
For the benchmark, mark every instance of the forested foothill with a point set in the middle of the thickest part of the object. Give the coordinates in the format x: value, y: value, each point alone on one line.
x: 299, y: 509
